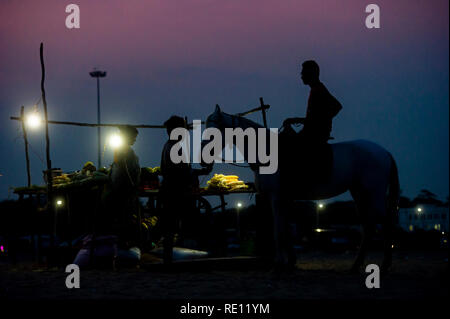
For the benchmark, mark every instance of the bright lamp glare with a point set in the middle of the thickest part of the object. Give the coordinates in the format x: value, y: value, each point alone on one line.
x: 115, y: 141
x: 320, y: 205
x: 239, y: 204
x: 59, y: 202
x: 33, y: 120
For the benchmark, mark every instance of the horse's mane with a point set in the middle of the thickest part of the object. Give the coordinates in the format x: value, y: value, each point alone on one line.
x: 245, y: 121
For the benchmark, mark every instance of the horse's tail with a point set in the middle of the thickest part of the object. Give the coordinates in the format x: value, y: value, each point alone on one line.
x: 393, y: 194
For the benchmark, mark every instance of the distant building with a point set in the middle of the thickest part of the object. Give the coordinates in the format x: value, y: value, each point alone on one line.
x: 426, y: 217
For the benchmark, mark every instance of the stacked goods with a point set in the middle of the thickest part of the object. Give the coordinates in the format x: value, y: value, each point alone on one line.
x: 226, y: 183
x: 148, y: 222
x: 155, y: 170
x: 60, y: 180
x: 53, y: 172
x: 88, y: 168
x: 88, y: 176
x: 84, y: 177
x: 31, y: 188
x: 149, y: 177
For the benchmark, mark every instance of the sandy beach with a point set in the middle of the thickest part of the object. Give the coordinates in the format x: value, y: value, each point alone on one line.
x: 318, y: 275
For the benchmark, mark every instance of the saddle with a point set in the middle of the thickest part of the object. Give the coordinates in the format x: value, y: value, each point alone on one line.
x: 304, y: 159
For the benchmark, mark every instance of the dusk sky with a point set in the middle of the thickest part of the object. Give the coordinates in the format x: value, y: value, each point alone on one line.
x: 182, y: 57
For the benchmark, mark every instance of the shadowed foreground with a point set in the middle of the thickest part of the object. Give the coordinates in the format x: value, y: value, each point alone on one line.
x: 414, y: 275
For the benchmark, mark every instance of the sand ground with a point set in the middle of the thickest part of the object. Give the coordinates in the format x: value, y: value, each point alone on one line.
x: 318, y: 275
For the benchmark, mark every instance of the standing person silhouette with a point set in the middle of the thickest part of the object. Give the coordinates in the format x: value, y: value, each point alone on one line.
x: 179, y: 180
x: 120, y: 198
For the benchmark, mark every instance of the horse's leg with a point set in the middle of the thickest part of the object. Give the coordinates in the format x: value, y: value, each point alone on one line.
x: 277, y: 229
x: 371, y: 208
x: 390, y: 218
x: 368, y: 230
x: 387, y: 245
x: 281, y: 233
x: 388, y: 230
x: 365, y: 210
x: 375, y: 209
x: 292, y: 257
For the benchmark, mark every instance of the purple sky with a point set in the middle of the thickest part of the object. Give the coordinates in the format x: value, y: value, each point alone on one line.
x: 183, y: 57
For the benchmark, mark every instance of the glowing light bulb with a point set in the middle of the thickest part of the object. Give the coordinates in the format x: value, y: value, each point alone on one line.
x: 115, y: 141
x: 33, y: 120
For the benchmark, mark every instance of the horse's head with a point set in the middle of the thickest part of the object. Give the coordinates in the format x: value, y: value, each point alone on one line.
x: 215, y: 119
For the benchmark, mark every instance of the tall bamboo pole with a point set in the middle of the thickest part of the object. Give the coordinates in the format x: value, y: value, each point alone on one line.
x: 44, y: 101
x: 47, y: 143
x: 27, y: 158
x: 15, y: 118
x: 189, y: 125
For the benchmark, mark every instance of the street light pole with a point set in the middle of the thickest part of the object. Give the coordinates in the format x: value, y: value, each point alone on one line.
x: 319, y: 206
x: 98, y: 74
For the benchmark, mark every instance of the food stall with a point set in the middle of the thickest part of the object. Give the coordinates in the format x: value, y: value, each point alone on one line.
x: 78, y: 199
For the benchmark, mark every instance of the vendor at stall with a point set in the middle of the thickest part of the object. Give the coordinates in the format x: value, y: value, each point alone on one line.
x: 123, y: 190
x: 125, y: 171
x: 179, y: 180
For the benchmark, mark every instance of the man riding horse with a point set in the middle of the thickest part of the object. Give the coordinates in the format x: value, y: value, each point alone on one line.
x: 365, y: 169
x: 317, y: 125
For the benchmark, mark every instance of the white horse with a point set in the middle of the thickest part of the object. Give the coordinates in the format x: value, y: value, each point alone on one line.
x: 364, y: 168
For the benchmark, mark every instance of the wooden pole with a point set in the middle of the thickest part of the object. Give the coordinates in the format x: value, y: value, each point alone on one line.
x: 260, y: 108
x: 263, y: 110
x: 47, y: 143
x: 44, y: 101
x: 27, y: 158
x: 95, y: 125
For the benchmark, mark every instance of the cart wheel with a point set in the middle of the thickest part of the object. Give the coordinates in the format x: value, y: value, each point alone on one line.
x: 203, y: 207
x: 205, y: 223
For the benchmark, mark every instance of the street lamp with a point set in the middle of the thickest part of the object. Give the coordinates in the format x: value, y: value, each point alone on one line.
x: 421, y: 216
x: 59, y: 204
x: 33, y: 120
x: 115, y: 141
x: 98, y: 74
x: 238, y: 205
